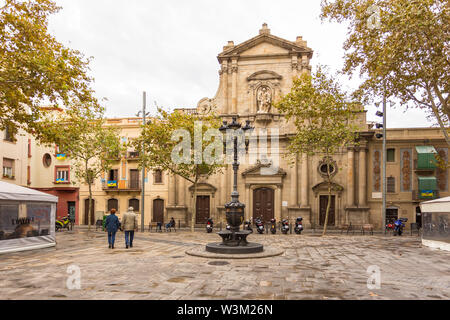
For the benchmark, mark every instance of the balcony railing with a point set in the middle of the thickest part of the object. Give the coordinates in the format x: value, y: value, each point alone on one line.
x: 133, y: 155
x: 417, y: 195
x: 423, y: 167
x: 122, y: 185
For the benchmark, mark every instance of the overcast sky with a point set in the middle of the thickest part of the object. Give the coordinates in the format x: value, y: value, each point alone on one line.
x: 169, y: 48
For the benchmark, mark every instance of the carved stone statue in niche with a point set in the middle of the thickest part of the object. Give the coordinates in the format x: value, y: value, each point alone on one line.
x: 264, y: 99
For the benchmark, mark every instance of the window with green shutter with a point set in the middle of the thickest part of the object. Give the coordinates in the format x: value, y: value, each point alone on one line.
x: 426, y: 158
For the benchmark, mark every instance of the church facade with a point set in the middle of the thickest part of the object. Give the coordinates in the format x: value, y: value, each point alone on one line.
x: 258, y: 72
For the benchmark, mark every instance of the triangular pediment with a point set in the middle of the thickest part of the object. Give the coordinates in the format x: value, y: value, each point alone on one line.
x: 264, y: 48
x: 264, y: 44
x: 263, y: 169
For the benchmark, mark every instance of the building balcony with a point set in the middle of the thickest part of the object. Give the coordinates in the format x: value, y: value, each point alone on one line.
x: 122, y: 185
x: 423, y: 195
x: 133, y: 156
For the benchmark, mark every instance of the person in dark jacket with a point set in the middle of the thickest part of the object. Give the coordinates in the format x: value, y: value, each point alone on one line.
x: 112, y: 225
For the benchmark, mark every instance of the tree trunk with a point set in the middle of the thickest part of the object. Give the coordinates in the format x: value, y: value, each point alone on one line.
x: 329, y: 198
x: 328, y: 209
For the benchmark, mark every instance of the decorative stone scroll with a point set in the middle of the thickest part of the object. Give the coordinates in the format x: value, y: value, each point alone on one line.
x: 405, y: 169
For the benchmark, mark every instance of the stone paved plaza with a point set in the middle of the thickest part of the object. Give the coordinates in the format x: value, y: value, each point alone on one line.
x: 312, y: 267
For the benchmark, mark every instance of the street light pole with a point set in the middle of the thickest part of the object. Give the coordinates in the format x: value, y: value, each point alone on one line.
x: 143, y: 169
x: 384, y: 162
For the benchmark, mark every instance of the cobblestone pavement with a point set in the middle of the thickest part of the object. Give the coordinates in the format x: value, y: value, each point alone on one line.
x: 312, y: 267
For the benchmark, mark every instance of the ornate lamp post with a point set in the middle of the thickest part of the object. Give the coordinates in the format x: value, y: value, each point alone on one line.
x: 234, y: 240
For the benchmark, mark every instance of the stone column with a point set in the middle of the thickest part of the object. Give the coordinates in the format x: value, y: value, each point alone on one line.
x: 225, y: 86
x: 304, y: 182
x: 350, y: 177
x: 294, y: 64
x: 362, y: 177
x: 234, y: 69
x: 278, y: 206
x: 247, y: 202
x: 172, y: 190
x: 181, y: 192
x: 223, y: 188
x: 294, y: 184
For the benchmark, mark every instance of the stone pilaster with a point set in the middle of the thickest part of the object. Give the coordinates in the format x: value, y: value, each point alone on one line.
x: 294, y: 184
x: 225, y: 86
x: 304, y: 188
x: 351, y: 177
x: 362, y: 183
x: 234, y: 89
x: 172, y: 190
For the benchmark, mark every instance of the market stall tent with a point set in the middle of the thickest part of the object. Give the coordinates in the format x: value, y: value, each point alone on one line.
x: 436, y: 217
x: 27, y: 218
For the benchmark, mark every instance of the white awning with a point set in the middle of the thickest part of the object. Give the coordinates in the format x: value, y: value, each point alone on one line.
x: 9, y: 191
x: 437, y: 205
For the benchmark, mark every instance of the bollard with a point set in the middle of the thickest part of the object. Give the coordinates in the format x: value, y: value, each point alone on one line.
x: 290, y: 228
x: 220, y: 225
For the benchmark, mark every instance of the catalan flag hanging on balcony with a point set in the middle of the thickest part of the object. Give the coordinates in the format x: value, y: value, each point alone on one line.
x: 61, y: 156
x: 112, y: 183
x: 426, y: 193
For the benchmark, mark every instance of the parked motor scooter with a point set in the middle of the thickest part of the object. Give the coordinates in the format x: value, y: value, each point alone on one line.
x: 285, y: 226
x: 390, y: 225
x: 273, y: 226
x: 298, y: 225
x: 62, y: 223
x: 399, y: 225
x: 209, y: 225
x: 259, y: 225
x: 248, y: 226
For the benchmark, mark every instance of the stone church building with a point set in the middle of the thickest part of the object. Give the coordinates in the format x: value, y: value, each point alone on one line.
x: 256, y: 73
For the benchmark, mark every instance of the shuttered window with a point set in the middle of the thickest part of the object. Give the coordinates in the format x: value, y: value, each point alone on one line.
x: 390, y: 185
x: 158, y: 176
x: 8, y: 167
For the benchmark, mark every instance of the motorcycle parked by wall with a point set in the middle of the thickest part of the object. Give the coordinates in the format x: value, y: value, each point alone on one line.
x: 298, y: 225
x: 209, y: 225
x: 248, y: 226
x: 285, y: 226
x: 259, y: 225
x: 390, y: 226
x: 273, y: 226
x: 399, y: 225
x: 62, y: 223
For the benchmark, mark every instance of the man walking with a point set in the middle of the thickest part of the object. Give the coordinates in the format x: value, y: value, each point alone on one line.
x: 111, y: 226
x: 130, y: 224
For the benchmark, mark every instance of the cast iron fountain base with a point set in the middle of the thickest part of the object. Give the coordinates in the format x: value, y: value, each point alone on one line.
x: 234, y: 243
